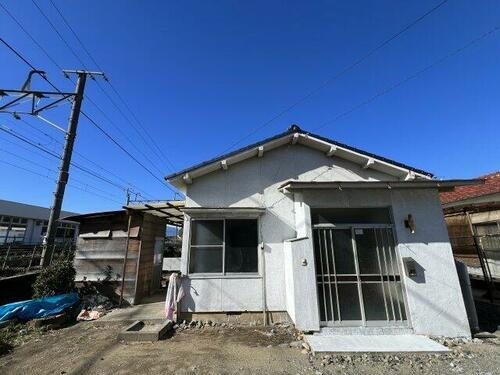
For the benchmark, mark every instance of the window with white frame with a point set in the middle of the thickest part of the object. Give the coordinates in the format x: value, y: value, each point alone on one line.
x: 222, y: 246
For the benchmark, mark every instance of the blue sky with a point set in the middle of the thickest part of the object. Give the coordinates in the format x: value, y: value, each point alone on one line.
x: 200, y: 75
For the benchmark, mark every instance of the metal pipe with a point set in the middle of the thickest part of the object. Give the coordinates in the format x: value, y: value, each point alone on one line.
x: 264, y: 301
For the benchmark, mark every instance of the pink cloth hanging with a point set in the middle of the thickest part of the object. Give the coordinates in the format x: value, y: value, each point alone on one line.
x: 171, y: 300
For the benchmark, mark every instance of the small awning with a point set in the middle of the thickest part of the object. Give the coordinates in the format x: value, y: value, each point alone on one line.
x: 441, y: 185
x: 247, y: 212
x: 169, y: 210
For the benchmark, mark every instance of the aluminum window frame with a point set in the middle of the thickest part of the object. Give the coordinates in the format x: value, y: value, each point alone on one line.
x: 223, y: 274
x: 391, y: 240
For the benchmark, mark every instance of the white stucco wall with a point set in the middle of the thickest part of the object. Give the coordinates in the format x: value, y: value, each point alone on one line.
x: 434, y: 297
x: 254, y: 183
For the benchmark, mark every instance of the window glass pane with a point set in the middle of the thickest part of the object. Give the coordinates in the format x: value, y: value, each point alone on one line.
x: 342, y: 247
x: 367, y: 251
x: 373, y: 299
x: 17, y: 234
x: 3, y: 233
x: 207, y: 232
x: 205, y: 260
x: 351, y: 215
x: 241, y: 246
x: 349, y: 302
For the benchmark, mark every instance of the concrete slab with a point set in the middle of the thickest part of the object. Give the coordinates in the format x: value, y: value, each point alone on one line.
x: 373, y: 344
x: 139, y: 331
x: 149, y: 312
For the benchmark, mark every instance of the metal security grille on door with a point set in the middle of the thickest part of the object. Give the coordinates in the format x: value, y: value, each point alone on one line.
x: 358, y: 276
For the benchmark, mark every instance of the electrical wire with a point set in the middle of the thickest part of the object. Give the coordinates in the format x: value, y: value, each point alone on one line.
x: 339, y: 74
x: 90, y: 119
x: 112, y: 87
x: 41, y: 148
x: 85, y: 183
x: 70, y: 185
x: 79, y: 154
x: 393, y: 87
x: 98, y: 84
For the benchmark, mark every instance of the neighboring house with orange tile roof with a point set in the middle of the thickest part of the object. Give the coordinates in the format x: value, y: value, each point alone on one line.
x: 470, y: 211
x: 473, y: 194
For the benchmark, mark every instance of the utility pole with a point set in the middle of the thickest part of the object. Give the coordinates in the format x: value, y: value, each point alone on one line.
x: 128, y: 196
x: 55, y: 210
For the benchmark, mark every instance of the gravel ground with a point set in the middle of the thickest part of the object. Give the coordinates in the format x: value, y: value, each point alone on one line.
x: 87, y: 349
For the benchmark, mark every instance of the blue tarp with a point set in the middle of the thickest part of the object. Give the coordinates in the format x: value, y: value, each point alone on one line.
x: 38, y: 308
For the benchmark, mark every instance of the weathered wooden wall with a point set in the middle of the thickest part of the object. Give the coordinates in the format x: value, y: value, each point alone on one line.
x: 461, y: 239
x: 98, y: 259
x: 152, y: 227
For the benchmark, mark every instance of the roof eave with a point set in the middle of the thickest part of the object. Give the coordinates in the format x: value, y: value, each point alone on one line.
x: 297, y: 135
x: 441, y: 185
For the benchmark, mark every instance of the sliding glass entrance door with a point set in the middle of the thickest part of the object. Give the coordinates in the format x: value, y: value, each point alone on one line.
x: 358, y: 276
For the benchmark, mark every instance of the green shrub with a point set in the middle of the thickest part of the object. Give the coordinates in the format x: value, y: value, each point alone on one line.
x: 58, y: 278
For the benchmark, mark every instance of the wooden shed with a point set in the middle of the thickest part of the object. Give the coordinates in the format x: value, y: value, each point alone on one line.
x: 125, y: 248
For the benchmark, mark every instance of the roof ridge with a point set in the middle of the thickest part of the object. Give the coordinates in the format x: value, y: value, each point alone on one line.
x: 295, y: 129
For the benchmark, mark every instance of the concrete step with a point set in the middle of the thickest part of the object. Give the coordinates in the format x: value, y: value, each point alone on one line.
x: 353, y: 331
x: 373, y: 344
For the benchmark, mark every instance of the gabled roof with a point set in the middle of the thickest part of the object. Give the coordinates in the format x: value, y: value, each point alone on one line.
x: 296, y: 135
x: 491, y: 186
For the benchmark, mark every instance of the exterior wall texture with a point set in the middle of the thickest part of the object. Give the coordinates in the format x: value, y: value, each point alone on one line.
x: 434, y: 298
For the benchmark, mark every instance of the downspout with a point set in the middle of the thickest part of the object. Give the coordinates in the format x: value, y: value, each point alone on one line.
x: 126, y: 256
x: 264, y: 300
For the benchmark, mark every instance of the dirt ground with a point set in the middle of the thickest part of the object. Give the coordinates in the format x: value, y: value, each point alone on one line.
x: 87, y: 349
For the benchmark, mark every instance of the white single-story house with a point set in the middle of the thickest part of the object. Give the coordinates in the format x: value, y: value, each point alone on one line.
x: 321, y: 233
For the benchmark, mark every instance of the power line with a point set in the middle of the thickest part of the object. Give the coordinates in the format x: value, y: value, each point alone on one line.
x: 138, y: 190
x: 341, y: 73
x: 112, y: 87
x: 32, y: 39
x: 53, y: 86
x: 44, y: 176
x: 410, y: 77
x: 90, y: 119
x: 41, y: 148
x: 60, y: 68
x: 98, y: 84
x: 54, y: 171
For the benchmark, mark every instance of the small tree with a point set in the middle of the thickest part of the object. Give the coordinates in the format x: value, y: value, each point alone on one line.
x: 58, y: 278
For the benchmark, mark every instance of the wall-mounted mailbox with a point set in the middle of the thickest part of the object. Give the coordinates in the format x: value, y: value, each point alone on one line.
x: 410, y: 266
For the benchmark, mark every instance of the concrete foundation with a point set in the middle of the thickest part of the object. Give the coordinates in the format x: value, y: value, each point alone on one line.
x: 242, y: 318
